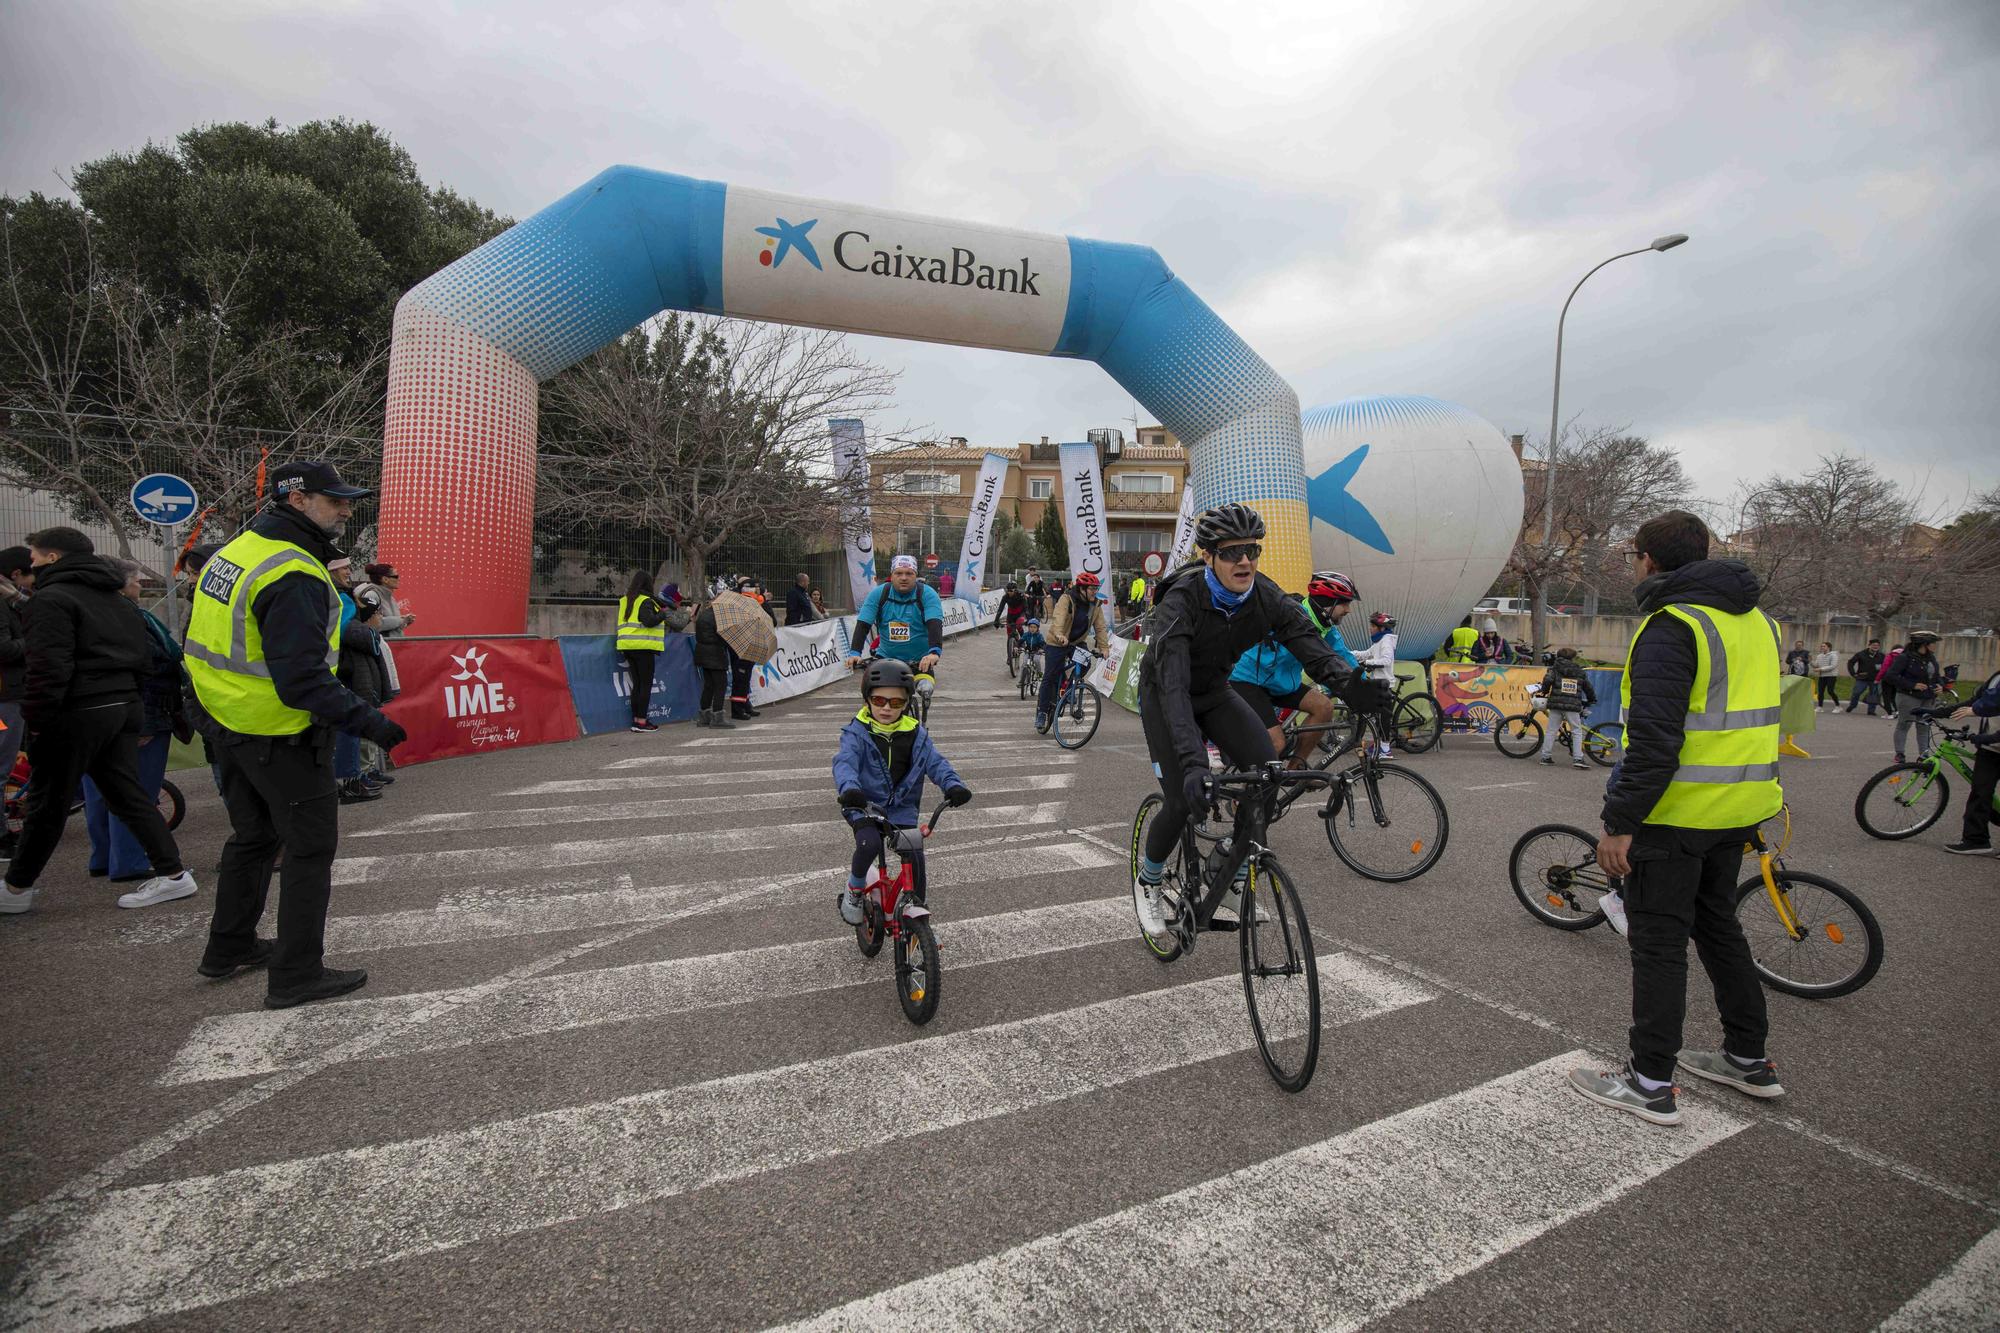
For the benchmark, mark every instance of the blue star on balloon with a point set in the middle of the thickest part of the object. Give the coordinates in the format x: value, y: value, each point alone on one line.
x: 1327, y: 498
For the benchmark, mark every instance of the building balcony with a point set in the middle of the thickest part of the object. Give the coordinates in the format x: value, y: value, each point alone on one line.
x: 1141, y: 502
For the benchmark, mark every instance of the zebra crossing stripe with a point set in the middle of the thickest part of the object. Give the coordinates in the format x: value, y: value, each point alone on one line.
x: 148, y: 1250
x: 1329, y: 1236
x: 1028, y: 742
x: 818, y: 771
x: 233, y: 1045
x: 646, y: 847
x: 1964, y: 1296
x: 1021, y: 727
x: 461, y: 821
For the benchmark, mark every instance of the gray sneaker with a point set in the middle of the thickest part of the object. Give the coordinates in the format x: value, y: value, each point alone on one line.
x: 1619, y: 1089
x: 1761, y: 1080
x: 850, y: 907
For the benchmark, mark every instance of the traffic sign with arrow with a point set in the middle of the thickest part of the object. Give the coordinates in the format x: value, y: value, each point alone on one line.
x: 163, y: 498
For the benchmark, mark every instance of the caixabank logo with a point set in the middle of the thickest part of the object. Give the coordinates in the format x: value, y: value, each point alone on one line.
x: 858, y: 251
x: 783, y: 237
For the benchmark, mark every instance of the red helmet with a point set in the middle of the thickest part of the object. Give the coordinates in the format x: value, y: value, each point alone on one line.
x: 1086, y: 580
x: 1382, y: 620
x: 1331, y: 583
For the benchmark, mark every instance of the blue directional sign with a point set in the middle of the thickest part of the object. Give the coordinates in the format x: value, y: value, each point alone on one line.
x: 163, y: 498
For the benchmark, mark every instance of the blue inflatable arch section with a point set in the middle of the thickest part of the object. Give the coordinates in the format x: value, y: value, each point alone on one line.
x: 472, y: 342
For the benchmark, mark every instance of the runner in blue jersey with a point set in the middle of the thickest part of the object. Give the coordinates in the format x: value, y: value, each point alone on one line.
x: 907, y: 614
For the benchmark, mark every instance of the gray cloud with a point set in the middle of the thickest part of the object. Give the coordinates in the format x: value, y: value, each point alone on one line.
x: 1387, y: 202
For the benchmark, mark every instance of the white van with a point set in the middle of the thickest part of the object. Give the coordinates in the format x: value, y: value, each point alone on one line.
x: 1503, y: 606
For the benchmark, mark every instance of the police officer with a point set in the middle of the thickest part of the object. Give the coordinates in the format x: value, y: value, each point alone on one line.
x: 1700, y: 770
x: 262, y: 643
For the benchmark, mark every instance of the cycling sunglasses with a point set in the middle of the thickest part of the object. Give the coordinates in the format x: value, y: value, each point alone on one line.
x: 888, y: 700
x: 1229, y: 555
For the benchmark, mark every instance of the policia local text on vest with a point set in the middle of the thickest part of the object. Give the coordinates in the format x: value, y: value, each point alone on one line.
x: 262, y: 641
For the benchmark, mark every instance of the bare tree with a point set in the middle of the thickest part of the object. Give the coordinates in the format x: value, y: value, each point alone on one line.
x: 1608, y: 481
x: 701, y: 429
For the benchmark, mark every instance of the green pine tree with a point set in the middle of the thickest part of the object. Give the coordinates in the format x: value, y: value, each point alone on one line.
x: 1049, y: 536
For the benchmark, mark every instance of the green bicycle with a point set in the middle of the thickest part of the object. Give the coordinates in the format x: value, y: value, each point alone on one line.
x: 1905, y: 799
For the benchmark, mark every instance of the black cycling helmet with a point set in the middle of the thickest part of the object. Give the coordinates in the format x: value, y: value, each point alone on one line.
x: 1232, y: 522
x: 886, y: 673
x: 1924, y: 636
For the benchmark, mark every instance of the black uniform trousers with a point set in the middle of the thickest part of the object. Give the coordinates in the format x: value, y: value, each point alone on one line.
x: 1979, y: 805
x: 1682, y: 886
x: 279, y: 791
x: 639, y: 666
x: 103, y: 745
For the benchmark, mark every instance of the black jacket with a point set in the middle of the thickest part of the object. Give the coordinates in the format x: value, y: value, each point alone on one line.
x: 291, y: 615
x: 1192, y: 647
x: 1917, y: 675
x: 87, y: 644
x: 1865, y: 665
x: 360, y: 668
x: 1662, y: 678
x: 711, y: 652
x: 163, y: 683
x: 799, y: 608
x: 13, y: 650
x: 1552, y: 692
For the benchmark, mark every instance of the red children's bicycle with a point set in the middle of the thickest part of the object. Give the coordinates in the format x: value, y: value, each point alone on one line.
x: 891, y: 908
x: 173, y: 807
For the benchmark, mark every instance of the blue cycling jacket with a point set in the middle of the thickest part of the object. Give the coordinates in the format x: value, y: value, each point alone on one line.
x: 1271, y: 666
x: 858, y: 766
x: 904, y: 620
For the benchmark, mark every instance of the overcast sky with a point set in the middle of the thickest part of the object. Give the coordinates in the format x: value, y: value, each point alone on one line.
x: 1388, y: 198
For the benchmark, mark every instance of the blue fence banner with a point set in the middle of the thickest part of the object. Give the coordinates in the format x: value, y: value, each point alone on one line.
x: 603, y: 691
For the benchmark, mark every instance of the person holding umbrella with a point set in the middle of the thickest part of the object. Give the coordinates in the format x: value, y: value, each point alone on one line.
x: 746, y: 635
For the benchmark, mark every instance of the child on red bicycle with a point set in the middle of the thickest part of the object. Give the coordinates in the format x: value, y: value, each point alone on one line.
x: 883, y: 759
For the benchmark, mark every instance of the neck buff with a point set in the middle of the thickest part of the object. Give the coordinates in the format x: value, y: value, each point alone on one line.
x: 1225, y: 601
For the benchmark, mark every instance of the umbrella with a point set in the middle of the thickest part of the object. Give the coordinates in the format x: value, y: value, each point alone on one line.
x: 744, y: 627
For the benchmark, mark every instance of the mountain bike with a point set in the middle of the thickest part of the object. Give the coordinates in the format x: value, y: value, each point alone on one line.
x: 1013, y: 649
x: 1416, y: 722
x: 891, y: 908
x: 1520, y: 737
x: 1078, y: 709
x: 1905, y: 799
x: 1031, y: 677
x: 1383, y: 821
x: 1275, y: 948
x: 1808, y: 935
x: 173, y: 806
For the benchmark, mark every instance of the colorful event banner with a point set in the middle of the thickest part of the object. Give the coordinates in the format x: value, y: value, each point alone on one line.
x: 810, y: 656
x: 602, y: 690
x: 469, y: 696
x: 1083, y: 511
x: 979, y: 526
x: 1183, y: 530
x: 1506, y: 688
x: 850, y: 471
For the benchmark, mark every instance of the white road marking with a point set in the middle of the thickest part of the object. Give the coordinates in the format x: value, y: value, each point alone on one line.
x: 1964, y: 1296
x: 820, y: 770
x: 461, y: 821
x: 774, y: 748
x: 233, y: 1045
x: 1329, y: 1236
x: 644, y: 848
x: 148, y: 1250
x: 1496, y: 786
x: 1016, y: 730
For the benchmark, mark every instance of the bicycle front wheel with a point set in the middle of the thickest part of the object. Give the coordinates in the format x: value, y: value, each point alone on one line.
x: 1390, y: 826
x: 917, y: 973
x: 868, y: 934
x: 1166, y: 945
x: 1417, y: 723
x: 1555, y: 874
x: 1902, y: 801
x: 1077, y: 715
x: 1519, y: 736
x: 1280, y: 974
x: 1836, y: 949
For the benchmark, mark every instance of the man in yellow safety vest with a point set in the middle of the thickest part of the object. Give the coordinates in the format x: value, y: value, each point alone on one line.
x: 262, y: 641
x: 1700, y: 770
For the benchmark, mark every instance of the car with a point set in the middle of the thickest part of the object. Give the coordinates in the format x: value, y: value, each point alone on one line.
x: 1503, y: 606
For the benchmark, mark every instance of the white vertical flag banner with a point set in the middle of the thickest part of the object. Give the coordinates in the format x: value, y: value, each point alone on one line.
x: 972, y: 555
x: 1083, y: 511
x: 1183, y: 530
x: 850, y: 472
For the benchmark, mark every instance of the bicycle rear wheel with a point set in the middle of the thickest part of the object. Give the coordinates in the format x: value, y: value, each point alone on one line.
x: 1077, y: 715
x: 1393, y: 832
x: 1280, y: 974
x: 1519, y: 736
x: 1555, y: 874
x: 917, y: 972
x: 1417, y: 723
x: 173, y: 808
x: 1902, y: 801
x: 1166, y: 946
x: 1838, y: 947
x: 1604, y: 743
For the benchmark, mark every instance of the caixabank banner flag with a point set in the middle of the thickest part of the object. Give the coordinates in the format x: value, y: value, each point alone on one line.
x: 601, y: 688
x: 1183, y: 531
x: 810, y: 656
x: 850, y: 472
x: 469, y: 696
x: 979, y: 526
x: 1083, y: 511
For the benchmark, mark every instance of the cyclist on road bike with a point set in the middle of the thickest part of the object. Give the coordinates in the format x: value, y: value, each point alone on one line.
x: 1077, y: 612
x: 1270, y: 678
x: 907, y: 614
x: 883, y: 759
x: 1204, y: 618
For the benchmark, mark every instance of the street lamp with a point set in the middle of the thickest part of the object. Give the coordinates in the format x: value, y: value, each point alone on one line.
x: 1663, y: 244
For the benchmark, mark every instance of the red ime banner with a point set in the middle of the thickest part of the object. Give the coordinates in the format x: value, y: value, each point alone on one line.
x: 467, y: 696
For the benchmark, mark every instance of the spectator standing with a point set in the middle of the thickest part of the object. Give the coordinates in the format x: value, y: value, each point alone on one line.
x: 819, y: 604
x: 382, y: 581
x: 17, y: 581
x: 947, y: 583
x: 346, y: 744
x: 1826, y: 676
x: 114, y: 851
x: 86, y: 649
x: 1700, y: 771
x: 359, y: 668
x: 1862, y: 669
x: 375, y: 761
x: 1798, y: 662
x: 799, y: 608
x: 711, y: 658
x: 642, y: 637
x: 1459, y: 647
x: 739, y: 667
x: 1914, y: 672
x: 1976, y: 834
x: 1883, y: 678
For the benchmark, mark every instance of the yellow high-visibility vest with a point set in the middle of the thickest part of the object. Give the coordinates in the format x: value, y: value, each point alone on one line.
x: 225, y: 645
x: 1728, y: 770
x: 633, y: 636
x: 1462, y: 640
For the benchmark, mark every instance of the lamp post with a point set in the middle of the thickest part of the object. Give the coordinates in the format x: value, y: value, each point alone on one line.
x: 1663, y: 244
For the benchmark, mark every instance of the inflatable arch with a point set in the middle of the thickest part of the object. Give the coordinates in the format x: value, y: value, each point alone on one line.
x: 472, y: 342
